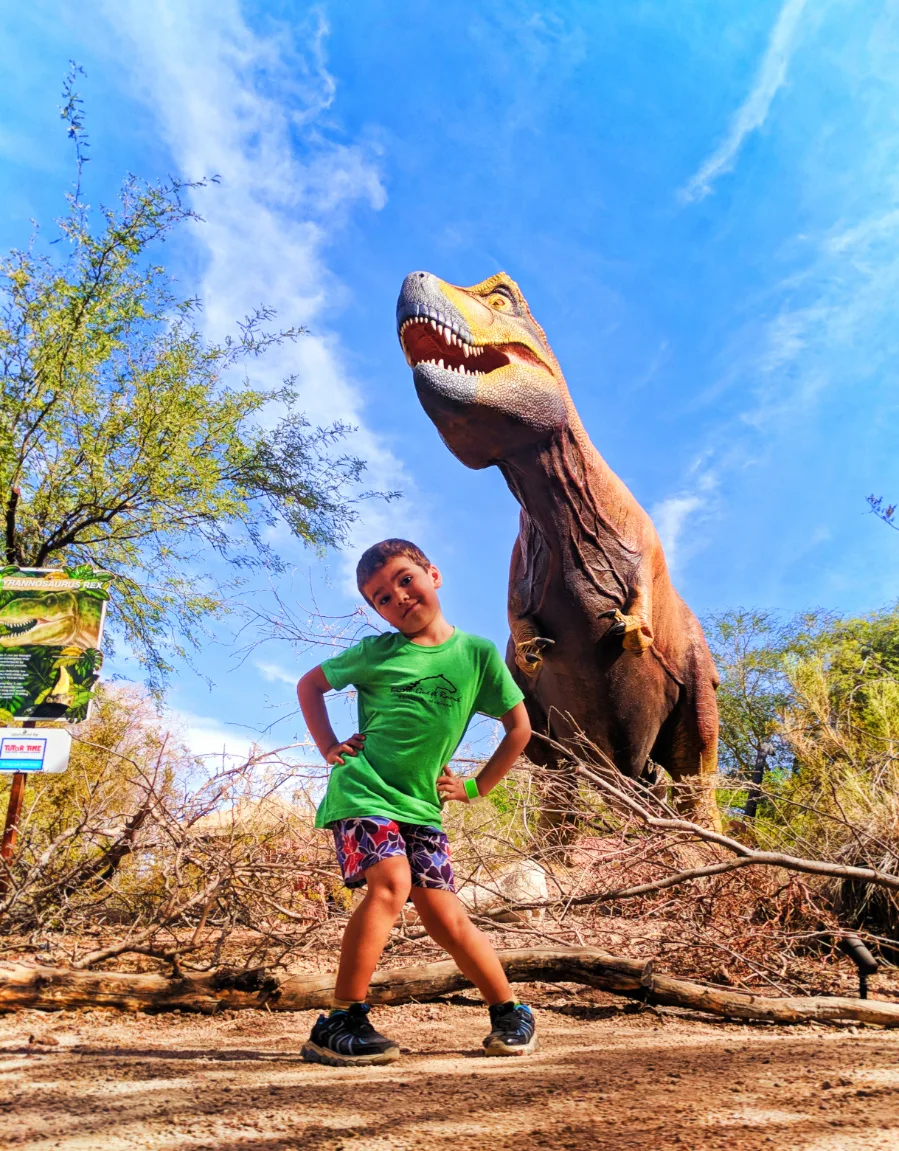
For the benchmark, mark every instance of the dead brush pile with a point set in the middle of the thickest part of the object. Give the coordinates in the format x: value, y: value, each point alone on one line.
x: 633, y: 889
x: 142, y: 850
x: 142, y: 856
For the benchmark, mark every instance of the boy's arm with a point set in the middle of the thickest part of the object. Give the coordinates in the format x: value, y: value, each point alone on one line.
x: 311, y: 692
x: 513, y: 743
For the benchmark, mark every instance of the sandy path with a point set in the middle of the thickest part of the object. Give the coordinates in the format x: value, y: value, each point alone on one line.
x: 603, y: 1079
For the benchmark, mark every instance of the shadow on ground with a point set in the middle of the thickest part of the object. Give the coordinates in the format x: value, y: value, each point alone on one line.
x: 602, y: 1080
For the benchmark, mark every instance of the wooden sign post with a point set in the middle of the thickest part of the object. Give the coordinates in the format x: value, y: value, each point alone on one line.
x: 11, y: 827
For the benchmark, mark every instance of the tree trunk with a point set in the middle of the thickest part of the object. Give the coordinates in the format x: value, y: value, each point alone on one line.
x: 758, y: 778
x: 55, y: 988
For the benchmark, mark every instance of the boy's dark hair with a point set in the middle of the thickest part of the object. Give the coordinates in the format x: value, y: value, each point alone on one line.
x: 378, y: 554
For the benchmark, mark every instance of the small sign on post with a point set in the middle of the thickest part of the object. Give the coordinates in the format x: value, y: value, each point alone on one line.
x: 43, y: 749
x: 23, y: 751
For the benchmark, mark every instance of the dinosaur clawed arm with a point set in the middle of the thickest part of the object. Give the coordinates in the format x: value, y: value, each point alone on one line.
x: 529, y: 646
x: 634, y: 624
x: 636, y: 634
x: 529, y: 653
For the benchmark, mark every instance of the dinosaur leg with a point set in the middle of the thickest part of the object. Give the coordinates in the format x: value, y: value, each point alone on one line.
x: 693, y: 757
x: 558, y: 785
x: 528, y: 644
x: 559, y: 807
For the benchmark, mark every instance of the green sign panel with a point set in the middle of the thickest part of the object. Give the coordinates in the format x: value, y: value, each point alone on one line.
x: 51, y: 624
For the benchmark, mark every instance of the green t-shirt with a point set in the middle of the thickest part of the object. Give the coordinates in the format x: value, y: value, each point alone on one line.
x: 414, y: 703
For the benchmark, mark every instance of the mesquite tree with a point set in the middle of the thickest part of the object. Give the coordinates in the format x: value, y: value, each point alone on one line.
x: 131, y: 442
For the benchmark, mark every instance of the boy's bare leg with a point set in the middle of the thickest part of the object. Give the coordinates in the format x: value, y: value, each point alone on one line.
x: 388, y: 884
x: 445, y: 919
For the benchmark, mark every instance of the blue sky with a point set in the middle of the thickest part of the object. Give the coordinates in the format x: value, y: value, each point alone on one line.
x: 700, y: 202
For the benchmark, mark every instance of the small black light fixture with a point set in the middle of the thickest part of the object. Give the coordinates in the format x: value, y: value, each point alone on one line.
x: 852, y: 946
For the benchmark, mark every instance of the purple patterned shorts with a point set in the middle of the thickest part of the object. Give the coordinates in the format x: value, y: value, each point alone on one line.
x: 361, y: 843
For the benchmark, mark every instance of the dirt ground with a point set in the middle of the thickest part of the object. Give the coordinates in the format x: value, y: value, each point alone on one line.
x: 604, y: 1078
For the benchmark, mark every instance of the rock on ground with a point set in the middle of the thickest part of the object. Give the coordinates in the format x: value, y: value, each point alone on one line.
x: 523, y: 882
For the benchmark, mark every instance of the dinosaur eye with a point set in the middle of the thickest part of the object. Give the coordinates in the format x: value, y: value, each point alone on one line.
x: 498, y: 301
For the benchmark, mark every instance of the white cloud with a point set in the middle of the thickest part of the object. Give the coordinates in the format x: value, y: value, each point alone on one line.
x: 835, y: 328
x: 657, y: 361
x: 885, y: 225
x: 753, y: 112
x: 672, y: 515
x: 827, y: 328
x: 808, y: 379
x: 207, y: 737
x: 274, y: 673
x: 220, y: 743
x: 253, y: 109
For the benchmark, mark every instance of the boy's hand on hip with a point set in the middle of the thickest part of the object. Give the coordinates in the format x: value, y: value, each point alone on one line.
x: 352, y: 746
x: 450, y: 786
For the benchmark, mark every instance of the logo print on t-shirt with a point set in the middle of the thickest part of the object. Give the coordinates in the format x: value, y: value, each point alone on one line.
x: 434, y: 688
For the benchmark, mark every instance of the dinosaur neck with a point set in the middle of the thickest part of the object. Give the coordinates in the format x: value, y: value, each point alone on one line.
x: 581, y: 508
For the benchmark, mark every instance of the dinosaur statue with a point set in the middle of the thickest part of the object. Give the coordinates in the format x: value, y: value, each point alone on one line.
x: 600, y: 640
x: 56, y: 619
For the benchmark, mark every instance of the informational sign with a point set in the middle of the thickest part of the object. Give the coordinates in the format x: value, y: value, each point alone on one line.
x: 51, y: 627
x: 43, y: 749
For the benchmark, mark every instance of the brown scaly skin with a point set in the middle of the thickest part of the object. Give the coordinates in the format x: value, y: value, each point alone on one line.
x: 598, y: 632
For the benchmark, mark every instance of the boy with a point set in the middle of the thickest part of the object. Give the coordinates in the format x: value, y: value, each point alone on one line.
x: 418, y: 687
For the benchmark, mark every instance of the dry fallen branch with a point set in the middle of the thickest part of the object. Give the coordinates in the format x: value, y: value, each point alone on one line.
x: 53, y: 989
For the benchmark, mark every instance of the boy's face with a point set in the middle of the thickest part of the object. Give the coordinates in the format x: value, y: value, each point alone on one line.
x: 404, y: 594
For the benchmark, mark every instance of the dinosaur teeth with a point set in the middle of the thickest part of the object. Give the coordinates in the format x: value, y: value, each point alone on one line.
x: 451, y: 337
x: 461, y: 370
x: 17, y: 628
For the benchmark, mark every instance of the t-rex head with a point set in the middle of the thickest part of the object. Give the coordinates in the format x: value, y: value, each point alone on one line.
x: 482, y: 366
x: 39, y: 618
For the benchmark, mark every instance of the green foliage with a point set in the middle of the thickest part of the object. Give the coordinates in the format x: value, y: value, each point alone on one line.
x: 768, y: 665
x: 824, y: 692
x: 131, y: 443
x: 751, y: 649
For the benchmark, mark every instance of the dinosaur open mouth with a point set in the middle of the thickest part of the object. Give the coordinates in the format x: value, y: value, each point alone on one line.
x: 17, y: 628
x: 426, y: 341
